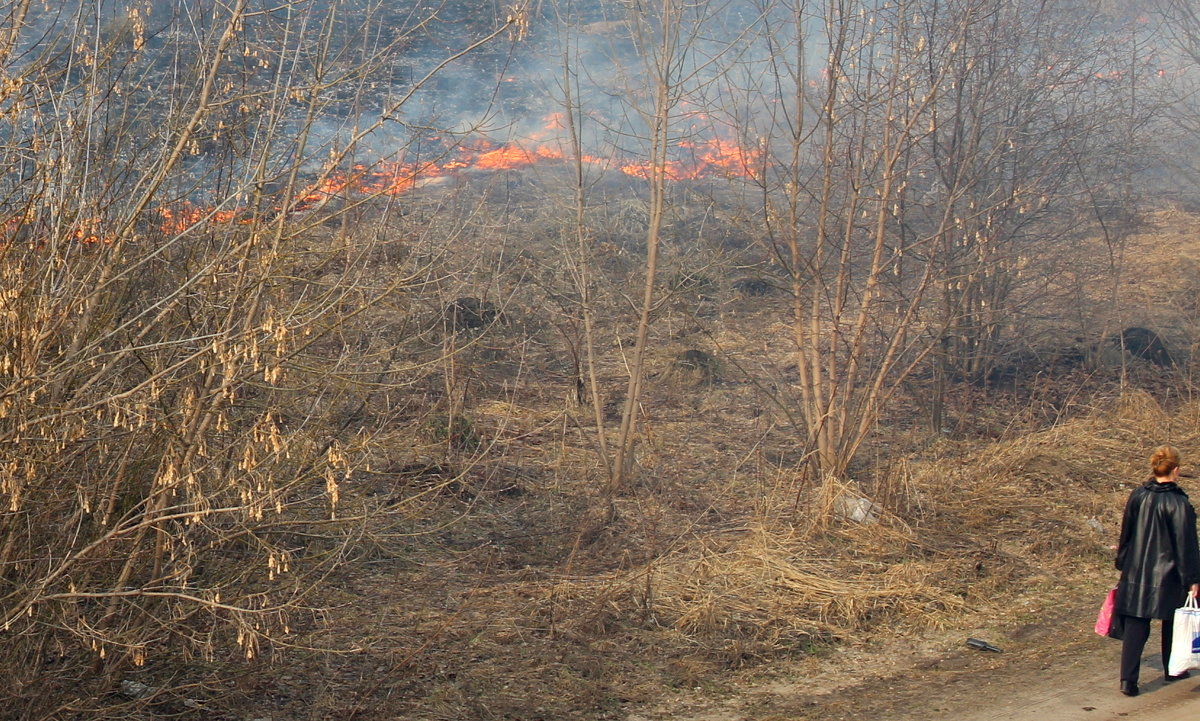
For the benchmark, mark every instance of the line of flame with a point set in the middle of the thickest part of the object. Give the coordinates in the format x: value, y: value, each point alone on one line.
x: 715, y: 158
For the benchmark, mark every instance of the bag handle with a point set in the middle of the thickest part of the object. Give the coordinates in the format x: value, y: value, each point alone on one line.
x: 1191, y: 603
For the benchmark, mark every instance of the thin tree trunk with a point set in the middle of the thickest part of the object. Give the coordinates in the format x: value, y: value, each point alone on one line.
x: 659, y: 140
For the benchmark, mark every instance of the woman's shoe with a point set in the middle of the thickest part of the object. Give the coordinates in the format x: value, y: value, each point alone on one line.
x: 1129, y: 688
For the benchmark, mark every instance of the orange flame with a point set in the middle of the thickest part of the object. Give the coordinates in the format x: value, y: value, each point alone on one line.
x: 712, y: 158
x: 505, y: 158
x: 721, y: 158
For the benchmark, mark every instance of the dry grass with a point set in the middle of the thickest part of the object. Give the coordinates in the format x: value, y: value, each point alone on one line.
x: 487, y: 588
x: 721, y: 556
x: 670, y: 597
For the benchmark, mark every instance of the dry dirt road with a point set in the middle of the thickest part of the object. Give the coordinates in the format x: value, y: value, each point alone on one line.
x: 1086, y: 692
x: 1055, y: 668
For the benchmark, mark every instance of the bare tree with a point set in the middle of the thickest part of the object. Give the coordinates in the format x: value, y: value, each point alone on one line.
x: 659, y: 57
x: 916, y: 179
x: 1176, y: 50
x: 1035, y: 136
x: 840, y: 150
x: 175, y: 382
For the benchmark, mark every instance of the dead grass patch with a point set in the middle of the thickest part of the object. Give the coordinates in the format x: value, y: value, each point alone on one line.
x: 477, y: 596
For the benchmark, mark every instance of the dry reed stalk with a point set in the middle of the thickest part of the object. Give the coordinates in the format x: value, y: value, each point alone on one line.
x: 763, y: 585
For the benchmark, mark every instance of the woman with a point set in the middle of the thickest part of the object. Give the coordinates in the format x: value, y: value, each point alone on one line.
x: 1159, y: 561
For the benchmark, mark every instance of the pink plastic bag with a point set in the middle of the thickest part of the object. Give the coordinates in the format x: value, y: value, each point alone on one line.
x: 1105, y: 619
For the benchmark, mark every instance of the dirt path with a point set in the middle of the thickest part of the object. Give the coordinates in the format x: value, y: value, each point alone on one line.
x: 1081, y: 690
x: 1066, y: 699
x: 1054, y: 669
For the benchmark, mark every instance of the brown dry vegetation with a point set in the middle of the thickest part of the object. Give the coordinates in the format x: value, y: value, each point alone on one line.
x: 311, y: 410
x: 482, y: 581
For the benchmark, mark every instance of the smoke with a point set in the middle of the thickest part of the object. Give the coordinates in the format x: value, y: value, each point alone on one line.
x: 344, y: 82
x: 368, y: 81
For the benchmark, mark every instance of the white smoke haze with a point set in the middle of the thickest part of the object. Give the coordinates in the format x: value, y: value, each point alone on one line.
x: 328, y: 84
x: 125, y: 71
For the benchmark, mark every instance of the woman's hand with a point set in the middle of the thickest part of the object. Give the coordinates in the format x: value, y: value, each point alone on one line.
x: 1195, y: 590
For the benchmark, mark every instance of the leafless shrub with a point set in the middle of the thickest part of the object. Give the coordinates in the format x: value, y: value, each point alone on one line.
x: 189, y: 374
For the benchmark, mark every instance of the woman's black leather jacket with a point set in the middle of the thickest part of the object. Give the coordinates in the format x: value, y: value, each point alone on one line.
x: 1158, y: 555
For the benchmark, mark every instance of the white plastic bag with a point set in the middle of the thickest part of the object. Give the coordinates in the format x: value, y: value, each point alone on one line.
x: 1185, y: 641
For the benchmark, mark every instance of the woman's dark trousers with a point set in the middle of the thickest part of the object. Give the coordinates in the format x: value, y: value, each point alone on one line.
x: 1137, y: 630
